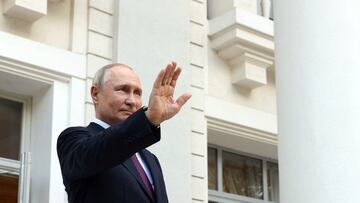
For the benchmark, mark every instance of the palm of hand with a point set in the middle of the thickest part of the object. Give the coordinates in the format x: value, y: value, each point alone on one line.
x: 167, y: 106
x: 162, y: 105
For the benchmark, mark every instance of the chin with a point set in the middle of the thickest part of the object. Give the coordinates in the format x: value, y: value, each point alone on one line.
x: 124, y: 117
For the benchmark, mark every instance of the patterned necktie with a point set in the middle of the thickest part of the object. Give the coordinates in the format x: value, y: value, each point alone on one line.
x: 143, y: 176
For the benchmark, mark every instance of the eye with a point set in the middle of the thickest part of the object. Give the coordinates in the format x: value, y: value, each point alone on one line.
x: 138, y: 93
x: 119, y: 89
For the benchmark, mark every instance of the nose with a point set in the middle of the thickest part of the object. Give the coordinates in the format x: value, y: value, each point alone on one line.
x: 130, y: 100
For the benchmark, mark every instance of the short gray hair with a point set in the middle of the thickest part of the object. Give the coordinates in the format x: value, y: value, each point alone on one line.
x: 99, y: 78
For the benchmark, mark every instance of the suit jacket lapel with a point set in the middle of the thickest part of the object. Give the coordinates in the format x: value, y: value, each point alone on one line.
x: 131, y: 168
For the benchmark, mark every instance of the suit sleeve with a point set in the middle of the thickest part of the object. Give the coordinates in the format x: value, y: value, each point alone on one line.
x: 81, y: 154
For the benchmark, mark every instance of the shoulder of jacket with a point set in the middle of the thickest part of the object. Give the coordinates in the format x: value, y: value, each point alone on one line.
x: 72, y: 130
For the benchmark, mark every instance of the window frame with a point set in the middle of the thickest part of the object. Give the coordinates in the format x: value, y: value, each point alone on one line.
x: 223, y: 197
x: 25, y: 128
x: 20, y: 167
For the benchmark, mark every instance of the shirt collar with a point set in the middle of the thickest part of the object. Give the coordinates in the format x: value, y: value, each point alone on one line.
x: 101, y: 123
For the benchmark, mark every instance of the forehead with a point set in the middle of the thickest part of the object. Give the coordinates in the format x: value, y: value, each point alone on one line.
x: 119, y: 75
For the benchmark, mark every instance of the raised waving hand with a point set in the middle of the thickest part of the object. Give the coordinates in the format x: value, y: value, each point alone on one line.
x: 162, y: 105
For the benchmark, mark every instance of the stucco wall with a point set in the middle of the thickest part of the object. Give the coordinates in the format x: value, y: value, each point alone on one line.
x: 53, y: 29
x: 219, y: 79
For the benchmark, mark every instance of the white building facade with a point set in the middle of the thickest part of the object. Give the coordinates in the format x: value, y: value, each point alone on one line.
x: 223, y: 146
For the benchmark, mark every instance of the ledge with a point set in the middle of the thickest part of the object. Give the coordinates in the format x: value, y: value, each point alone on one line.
x: 240, y: 127
x: 41, y: 57
x: 245, y: 41
x: 237, y: 116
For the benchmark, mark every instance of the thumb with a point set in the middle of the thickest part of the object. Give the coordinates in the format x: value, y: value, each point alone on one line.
x: 183, y: 99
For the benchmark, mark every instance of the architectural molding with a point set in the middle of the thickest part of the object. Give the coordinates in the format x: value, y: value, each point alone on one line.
x: 249, y: 70
x: 239, y: 127
x: 240, y: 115
x: 30, y: 10
x: 29, y: 71
x: 49, y: 60
x: 9, y: 165
x: 239, y: 130
x: 245, y: 41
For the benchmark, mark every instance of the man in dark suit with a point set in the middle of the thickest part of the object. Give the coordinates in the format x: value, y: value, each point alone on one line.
x: 107, y: 161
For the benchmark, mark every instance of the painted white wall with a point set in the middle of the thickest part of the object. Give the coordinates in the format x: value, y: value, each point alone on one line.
x: 219, y: 79
x: 41, y: 56
x: 53, y: 29
x: 241, y: 128
x: 55, y: 81
x: 151, y: 34
x: 317, y: 56
x: 233, y: 13
x: 40, y: 146
x: 217, y: 7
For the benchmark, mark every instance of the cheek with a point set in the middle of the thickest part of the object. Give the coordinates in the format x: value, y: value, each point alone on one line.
x: 114, y: 103
x: 138, y: 103
x: 117, y: 102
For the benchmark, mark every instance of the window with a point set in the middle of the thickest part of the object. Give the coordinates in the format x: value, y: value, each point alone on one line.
x: 235, y: 177
x: 212, y: 168
x: 10, y: 128
x: 11, y: 148
x: 273, y: 181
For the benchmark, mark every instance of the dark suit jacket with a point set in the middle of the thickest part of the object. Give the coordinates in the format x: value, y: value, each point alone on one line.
x: 95, y: 162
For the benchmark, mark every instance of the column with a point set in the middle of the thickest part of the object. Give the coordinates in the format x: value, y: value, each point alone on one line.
x: 318, y: 83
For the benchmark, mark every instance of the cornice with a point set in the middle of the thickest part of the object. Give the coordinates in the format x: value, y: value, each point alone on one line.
x: 240, y: 121
x: 245, y: 41
x: 241, y: 131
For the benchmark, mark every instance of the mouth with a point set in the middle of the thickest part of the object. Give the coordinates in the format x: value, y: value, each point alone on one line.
x: 127, y: 112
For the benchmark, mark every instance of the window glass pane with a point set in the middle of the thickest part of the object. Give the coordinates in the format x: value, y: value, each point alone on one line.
x: 8, y: 188
x: 10, y: 128
x: 212, y: 168
x: 242, y: 175
x: 273, y: 181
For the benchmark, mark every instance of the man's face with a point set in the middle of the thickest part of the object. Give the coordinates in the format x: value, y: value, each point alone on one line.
x: 119, y: 97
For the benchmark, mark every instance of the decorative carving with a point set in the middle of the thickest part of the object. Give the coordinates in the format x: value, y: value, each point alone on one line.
x: 245, y: 42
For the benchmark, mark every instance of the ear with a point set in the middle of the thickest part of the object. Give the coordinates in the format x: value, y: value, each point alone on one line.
x: 95, y: 94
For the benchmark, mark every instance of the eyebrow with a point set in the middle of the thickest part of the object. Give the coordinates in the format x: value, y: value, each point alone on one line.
x: 127, y: 86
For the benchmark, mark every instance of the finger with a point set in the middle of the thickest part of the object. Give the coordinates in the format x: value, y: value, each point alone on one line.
x: 171, y: 72
x: 159, y: 79
x: 167, y: 73
x: 169, y: 80
x: 175, y: 77
x: 183, y: 99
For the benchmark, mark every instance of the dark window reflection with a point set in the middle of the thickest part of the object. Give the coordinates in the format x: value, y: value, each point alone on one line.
x: 10, y: 128
x: 212, y: 169
x: 242, y: 175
